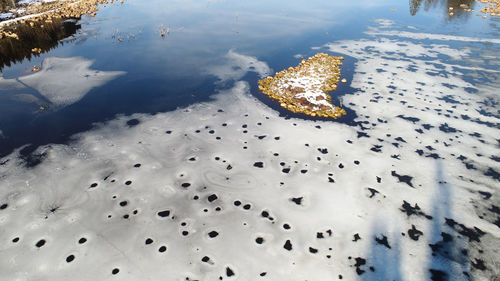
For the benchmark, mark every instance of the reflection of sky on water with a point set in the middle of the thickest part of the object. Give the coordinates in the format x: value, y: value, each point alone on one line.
x: 166, y: 72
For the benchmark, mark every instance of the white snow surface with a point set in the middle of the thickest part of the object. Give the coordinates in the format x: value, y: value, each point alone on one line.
x: 234, y: 166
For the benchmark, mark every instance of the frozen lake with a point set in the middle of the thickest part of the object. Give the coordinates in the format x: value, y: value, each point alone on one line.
x: 142, y: 148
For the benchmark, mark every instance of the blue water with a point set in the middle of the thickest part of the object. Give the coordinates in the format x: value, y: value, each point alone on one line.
x: 165, y: 73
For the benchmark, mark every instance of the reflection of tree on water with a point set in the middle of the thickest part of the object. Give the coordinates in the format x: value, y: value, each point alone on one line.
x: 455, y: 4
x: 45, y: 38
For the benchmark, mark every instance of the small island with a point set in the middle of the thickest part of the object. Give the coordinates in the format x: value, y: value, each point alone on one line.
x: 304, y: 89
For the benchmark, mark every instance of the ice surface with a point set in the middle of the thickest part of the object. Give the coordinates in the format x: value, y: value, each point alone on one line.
x: 229, y: 190
x: 64, y: 81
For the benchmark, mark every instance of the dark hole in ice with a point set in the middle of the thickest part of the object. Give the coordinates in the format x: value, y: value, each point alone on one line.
x: 185, y: 233
x: 265, y: 214
x: 4, y: 206
x: 286, y: 226
x: 359, y: 262
x: 168, y: 132
x: 403, y: 178
x: 115, y: 271
x: 82, y: 240
x: 258, y: 164
x: 259, y: 240
x: 320, y: 235
x: 93, y: 185
x: 70, y: 258
x: 237, y: 203
x: 413, y: 210
x: 205, y: 259
x: 40, y: 243
x: 15, y: 240
x: 288, y: 245
x: 123, y: 203
x: 128, y: 182
x: 213, y: 234
x: 133, y: 122
x: 247, y: 206
x: 212, y: 198
x: 137, y: 165
x: 286, y: 170
x: 162, y: 249
x: 313, y: 250
x: 356, y: 237
x: 263, y: 274
x: 438, y: 275
x: 186, y: 184
x: 229, y: 272
x: 383, y: 241
x: 163, y: 214
x: 297, y: 200
x: 148, y: 241
x: 414, y: 233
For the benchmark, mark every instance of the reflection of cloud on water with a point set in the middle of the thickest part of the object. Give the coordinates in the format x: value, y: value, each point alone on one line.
x: 237, y: 65
x: 64, y: 81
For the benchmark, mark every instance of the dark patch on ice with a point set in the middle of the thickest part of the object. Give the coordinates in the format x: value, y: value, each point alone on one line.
x: 414, y: 233
x: 447, y: 129
x: 359, y: 263
x: 164, y: 214
x: 30, y: 157
x: 286, y: 170
x: 410, y: 119
x: 493, y: 174
x: 288, y: 245
x: 427, y: 126
x: 40, y: 243
x: 115, y: 271
x: 383, y: 241
x: 478, y: 264
x: 413, y: 210
x: 438, y: 275
x: 376, y: 148
x: 373, y: 192
x: 4, y: 206
x: 486, y: 195
x: 297, y: 200
x: 212, y: 198
x: 213, y: 234
x: 258, y: 164
x: 70, y: 258
x: 323, y: 150
x: 356, y: 237
x: 133, y: 122
x: 474, y: 234
x: 229, y: 272
x: 259, y: 240
x: 362, y: 134
x: 313, y: 250
x: 403, y: 178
